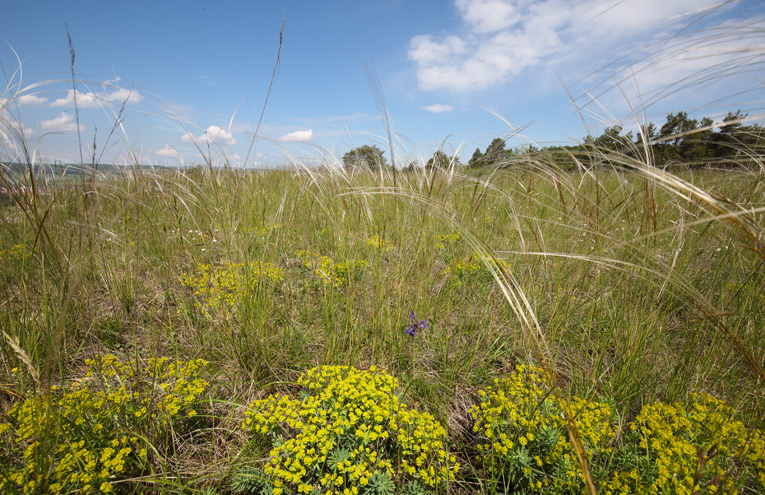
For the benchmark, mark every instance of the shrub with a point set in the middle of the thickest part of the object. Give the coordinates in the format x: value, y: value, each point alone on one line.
x: 219, y: 289
x: 699, y: 449
x: 99, y: 430
x: 349, y: 434
x: 522, y: 437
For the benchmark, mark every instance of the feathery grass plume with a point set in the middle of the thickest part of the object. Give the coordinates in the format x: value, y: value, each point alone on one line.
x: 23, y: 357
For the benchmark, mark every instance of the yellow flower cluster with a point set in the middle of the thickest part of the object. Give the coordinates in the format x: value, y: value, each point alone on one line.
x: 12, y: 261
x: 348, y: 431
x: 699, y: 449
x: 266, y: 229
x: 444, y: 240
x: 17, y: 253
x: 96, y: 431
x: 378, y: 242
x: 523, y: 439
x: 220, y: 288
x: 329, y: 271
x: 460, y: 269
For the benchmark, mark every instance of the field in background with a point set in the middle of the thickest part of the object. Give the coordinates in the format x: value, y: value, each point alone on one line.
x: 630, y: 286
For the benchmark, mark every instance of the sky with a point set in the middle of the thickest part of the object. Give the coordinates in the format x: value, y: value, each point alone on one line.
x: 171, y: 82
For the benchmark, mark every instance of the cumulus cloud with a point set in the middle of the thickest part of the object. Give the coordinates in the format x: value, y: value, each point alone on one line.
x: 213, y: 135
x: 168, y: 151
x: 89, y: 99
x: 118, y: 95
x: 488, y: 16
x: 297, y: 136
x: 503, y: 38
x: 84, y: 100
x: 31, y: 101
x: 424, y: 48
x: 438, y: 108
x: 62, y: 123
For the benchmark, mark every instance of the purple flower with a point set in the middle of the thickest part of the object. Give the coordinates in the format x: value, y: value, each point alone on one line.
x: 411, y: 330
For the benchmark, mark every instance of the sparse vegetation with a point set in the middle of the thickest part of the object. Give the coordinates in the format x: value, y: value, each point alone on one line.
x: 568, y: 320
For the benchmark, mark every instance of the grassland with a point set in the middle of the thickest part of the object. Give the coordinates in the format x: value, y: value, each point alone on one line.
x: 626, y: 286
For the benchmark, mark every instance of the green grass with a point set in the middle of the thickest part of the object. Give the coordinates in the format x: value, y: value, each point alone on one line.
x: 626, y: 286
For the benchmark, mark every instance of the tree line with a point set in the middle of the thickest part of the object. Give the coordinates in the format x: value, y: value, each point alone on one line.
x: 680, y: 139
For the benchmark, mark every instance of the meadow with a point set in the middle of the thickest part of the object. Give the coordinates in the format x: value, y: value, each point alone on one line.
x: 517, y: 329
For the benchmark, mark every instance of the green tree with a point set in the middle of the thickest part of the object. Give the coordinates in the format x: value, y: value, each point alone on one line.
x: 495, y: 152
x: 611, y: 140
x: 732, y: 123
x: 671, y: 135
x: 675, y: 127
x: 438, y: 160
x: 443, y: 161
x: 649, y: 132
x: 699, y: 145
x: 728, y: 140
x: 736, y: 139
x: 369, y: 157
x: 477, y: 160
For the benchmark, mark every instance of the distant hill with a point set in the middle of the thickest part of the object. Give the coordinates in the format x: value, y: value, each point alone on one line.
x: 75, y: 169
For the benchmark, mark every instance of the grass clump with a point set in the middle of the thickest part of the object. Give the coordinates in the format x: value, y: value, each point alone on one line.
x: 522, y: 439
x: 350, y: 433
x: 102, y: 429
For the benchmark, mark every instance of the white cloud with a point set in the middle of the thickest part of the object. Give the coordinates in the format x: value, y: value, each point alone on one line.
x: 504, y: 38
x: 423, y: 48
x: 488, y: 16
x: 213, y: 135
x: 31, y: 100
x: 63, y: 123
x: 438, y: 108
x: 701, y: 60
x: 168, y: 151
x: 118, y: 95
x: 297, y: 136
x: 84, y: 100
x: 111, y: 95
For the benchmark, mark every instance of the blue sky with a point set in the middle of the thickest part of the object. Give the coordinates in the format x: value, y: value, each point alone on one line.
x: 454, y: 74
